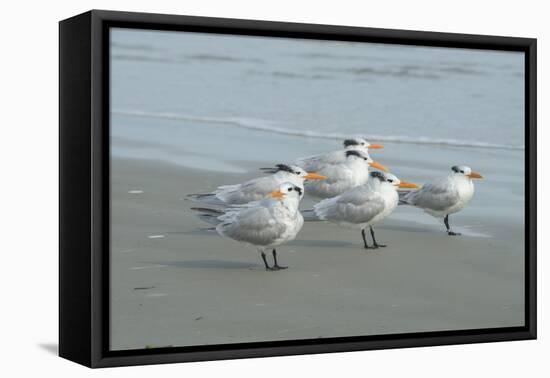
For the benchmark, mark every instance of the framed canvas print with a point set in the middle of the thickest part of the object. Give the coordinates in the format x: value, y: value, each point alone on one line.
x: 234, y: 188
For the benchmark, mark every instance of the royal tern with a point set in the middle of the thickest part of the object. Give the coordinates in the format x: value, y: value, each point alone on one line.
x: 363, y: 206
x: 360, y: 144
x: 444, y: 196
x: 336, y: 157
x: 344, y: 170
x: 258, y: 188
x: 265, y: 224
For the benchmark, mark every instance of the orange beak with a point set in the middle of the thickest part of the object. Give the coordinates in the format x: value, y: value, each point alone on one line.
x: 376, y: 145
x: 276, y: 194
x: 475, y: 175
x: 314, y: 176
x: 405, y: 184
x: 378, y: 166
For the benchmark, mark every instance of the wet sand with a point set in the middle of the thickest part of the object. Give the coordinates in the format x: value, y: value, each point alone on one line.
x: 174, y: 283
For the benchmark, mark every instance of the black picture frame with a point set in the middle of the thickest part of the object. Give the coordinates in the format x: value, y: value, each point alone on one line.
x: 84, y: 188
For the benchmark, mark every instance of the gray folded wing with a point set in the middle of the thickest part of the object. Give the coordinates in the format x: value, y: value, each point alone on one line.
x: 254, y: 225
x: 357, y: 206
x: 437, y: 195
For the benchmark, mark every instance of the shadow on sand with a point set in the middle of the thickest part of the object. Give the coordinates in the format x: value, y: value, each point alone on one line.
x: 196, y: 231
x: 207, y: 264
x: 407, y: 228
x: 320, y: 243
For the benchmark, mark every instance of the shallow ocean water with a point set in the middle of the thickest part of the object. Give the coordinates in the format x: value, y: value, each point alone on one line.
x: 221, y: 103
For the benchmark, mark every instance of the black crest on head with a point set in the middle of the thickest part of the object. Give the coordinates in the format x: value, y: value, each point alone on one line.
x: 284, y: 167
x: 278, y: 168
x: 378, y: 175
x: 354, y: 153
x: 298, y: 189
x: 350, y: 142
x: 455, y: 169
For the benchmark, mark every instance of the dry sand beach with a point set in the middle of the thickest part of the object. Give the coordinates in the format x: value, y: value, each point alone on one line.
x: 175, y: 284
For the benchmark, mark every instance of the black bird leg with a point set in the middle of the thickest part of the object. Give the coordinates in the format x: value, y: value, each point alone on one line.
x: 375, y: 245
x: 276, y: 266
x: 267, y: 267
x: 365, y: 239
x: 446, y: 221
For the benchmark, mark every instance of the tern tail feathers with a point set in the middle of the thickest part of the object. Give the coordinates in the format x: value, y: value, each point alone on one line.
x: 310, y: 216
x: 207, y: 198
x: 208, y: 215
x: 403, y: 197
x: 207, y: 210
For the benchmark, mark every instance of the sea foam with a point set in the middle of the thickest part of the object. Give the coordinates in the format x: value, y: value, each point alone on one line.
x: 268, y: 127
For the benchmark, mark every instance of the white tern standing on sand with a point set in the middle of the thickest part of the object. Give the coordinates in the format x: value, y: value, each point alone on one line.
x: 256, y: 189
x: 265, y: 224
x: 345, y: 169
x: 444, y: 196
x: 363, y: 206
